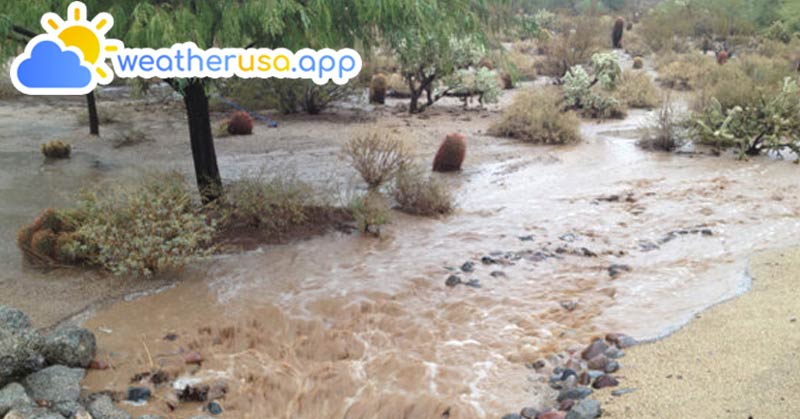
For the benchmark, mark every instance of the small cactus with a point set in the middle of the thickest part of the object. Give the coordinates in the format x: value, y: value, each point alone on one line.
x: 56, y: 150
x: 44, y: 244
x: 616, y: 34
x: 240, y: 123
x: 506, y: 80
x: 451, y: 154
x: 722, y: 57
x: 377, y: 89
x: 638, y: 63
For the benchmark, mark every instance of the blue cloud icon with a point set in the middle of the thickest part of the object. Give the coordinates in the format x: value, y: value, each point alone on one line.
x: 50, y: 67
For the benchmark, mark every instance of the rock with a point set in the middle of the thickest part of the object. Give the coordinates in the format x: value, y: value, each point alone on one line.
x: 33, y: 413
x: 597, y: 347
x: 452, y: 280
x: 138, y: 394
x: 576, y: 393
x: 72, y: 347
x: 620, y: 340
x: 569, y: 305
x: 474, y: 283
x: 593, y: 375
x: 614, y: 352
x: 529, y: 413
x: 512, y: 416
x: 566, y: 373
x: 598, y: 362
x: 103, y: 408
x: 585, y: 409
x: 604, y: 381
x: 83, y: 414
x: 20, y: 354
x: 551, y: 415
x: 616, y: 270
x: 584, y: 379
x: 565, y: 405
x: 498, y: 274
x: 55, y: 384
x: 622, y: 391
x: 468, y: 267
x: 171, y: 337
x: 611, y: 367
x: 98, y: 365
x: 150, y: 417
x: 214, y: 408
x: 539, y: 365
x: 193, y: 357
x: 190, y: 393
x: 488, y: 260
x: 13, y: 396
x: 13, y: 319
x: 67, y: 409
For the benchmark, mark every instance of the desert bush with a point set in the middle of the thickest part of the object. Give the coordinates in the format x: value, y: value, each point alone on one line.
x: 286, y: 95
x: 523, y: 65
x: 535, y: 116
x: 397, y: 87
x: 451, y: 154
x: 271, y: 205
x: 106, y: 114
x: 616, y: 33
x: 419, y: 194
x: 128, y: 137
x: 574, y: 45
x: 482, y: 83
x: 377, y: 156
x: 377, y: 89
x: 771, y: 123
x: 370, y: 212
x: 240, y: 123
x: 779, y: 31
x: 140, y: 229
x: 729, y: 84
x: 56, y: 150
x: 663, y: 134
x: 637, y: 90
x: 683, y: 71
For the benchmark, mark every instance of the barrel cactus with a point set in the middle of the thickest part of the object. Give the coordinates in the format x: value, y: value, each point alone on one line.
x: 377, y: 89
x: 56, y: 150
x: 240, y: 123
x: 616, y: 33
x: 638, y: 63
x: 451, y: 154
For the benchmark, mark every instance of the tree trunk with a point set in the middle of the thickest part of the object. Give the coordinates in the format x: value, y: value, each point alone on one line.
x: 94, y: 121
x: 203, y: 153
x: 429, y: 93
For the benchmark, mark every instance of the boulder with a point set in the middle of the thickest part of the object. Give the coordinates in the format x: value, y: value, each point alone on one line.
x: 73, y: 347
x: 55, y: 384
x: 11, y: 318
x: 33, y: 413
x: 20, y: 354
x: 104, y: 408
x: 585, y: 409
x: 13, y: 396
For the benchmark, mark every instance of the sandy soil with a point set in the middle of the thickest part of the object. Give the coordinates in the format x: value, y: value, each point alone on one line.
x: 736, y: 360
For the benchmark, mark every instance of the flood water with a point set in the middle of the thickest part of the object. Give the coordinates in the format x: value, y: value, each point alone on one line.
x: 356, y: 327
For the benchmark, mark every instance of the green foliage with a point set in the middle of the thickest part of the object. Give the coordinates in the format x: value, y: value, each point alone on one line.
x: 607, y: 70
x: 778, y: 31
x: 535, y: 116
x: 419, y: 194
x: 772, y: 123
x: 370, y: 211
x: 482, y: 82
x: 576, y: 85
x: 141, y: 229
x: 593, y: 97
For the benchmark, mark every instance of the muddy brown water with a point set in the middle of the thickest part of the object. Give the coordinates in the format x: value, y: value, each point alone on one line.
x: 354, y: 327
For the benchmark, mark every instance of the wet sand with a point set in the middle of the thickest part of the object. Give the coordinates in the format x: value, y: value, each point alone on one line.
x: 740, y: 359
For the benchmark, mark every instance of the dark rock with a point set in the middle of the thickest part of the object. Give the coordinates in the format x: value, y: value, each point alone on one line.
x: 474, y: 283
x: 620, y: 340
x: 55, y: 384
x: 13, y: 319
x: 193, y: 358
x: 614, y: 353
x: 565, y: 405
x: 616, y: 270
x: 67, y: 409
x: 452, y: 280
x: 566, y: 373
x: 622, y: 391
x: 214, y: 408
x: 198, y: 393
x: 611, y: 367
x: 498, y: 274
x: 529, y: 413
x: 527, y: 238
x: 551, y: 415
x: 512, y: 416
x: 171, y: 337
x: 488, y: 260
x: 585, y: 409
x: 584, y: 379
x: 468, y: 267
x: 604, y: 381
x: 597, y: 347
x: 20, y: 354
x: 138, y: 394
x: 159, y: 377
x: 103, y: 408
x: 540, y: 364
x: 72, y: 347
x: 576, y: 393
x: 599, y: 362
x: 13, y: 396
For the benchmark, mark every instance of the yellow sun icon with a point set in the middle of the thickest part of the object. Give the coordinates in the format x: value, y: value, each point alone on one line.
x: 88, y: 37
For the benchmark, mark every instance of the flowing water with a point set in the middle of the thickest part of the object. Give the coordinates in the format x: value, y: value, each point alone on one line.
x: 349, y: 326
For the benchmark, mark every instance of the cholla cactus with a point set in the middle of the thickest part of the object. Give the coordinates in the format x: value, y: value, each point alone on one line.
x: 607, y: 70
x: 467, y: 51
x: 576, y: 86
x: 545, y: 19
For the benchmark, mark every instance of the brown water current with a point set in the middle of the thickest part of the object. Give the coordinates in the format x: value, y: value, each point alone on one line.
x: 346, y: 326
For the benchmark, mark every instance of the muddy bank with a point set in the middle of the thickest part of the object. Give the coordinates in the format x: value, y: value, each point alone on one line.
x: 738, y: 359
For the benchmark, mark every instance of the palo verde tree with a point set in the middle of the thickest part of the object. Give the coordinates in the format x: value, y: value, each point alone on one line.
x: 19, y: 22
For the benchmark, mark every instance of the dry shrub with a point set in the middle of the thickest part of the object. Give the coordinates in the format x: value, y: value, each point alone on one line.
x: 575, y: 44
x: 683, y: 71
x: 397, y: 87
x: 523, y: 64
x: 56, y: 150
x: 377, y: 156
x: 419, y: 194
x: 129, y: 137
x: 106, y: 114
x: 451, y: 154
x: 370, y: 211
x: 637, y: 90
x: 535, y: 116
x: 663, y: 134
x: 240, y: 123
x: 377, y: 89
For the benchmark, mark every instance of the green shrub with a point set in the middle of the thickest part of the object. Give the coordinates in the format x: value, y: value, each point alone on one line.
x: 587, y: 96
x: 771, y: 123
x: 535, y: 116
x: 370, y: 211
x: 141, y: 229
x: 482, y: 82
x: 418, y: 194
x: 377, y: 156
x: 779, y: 31
x: 637, y: 90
